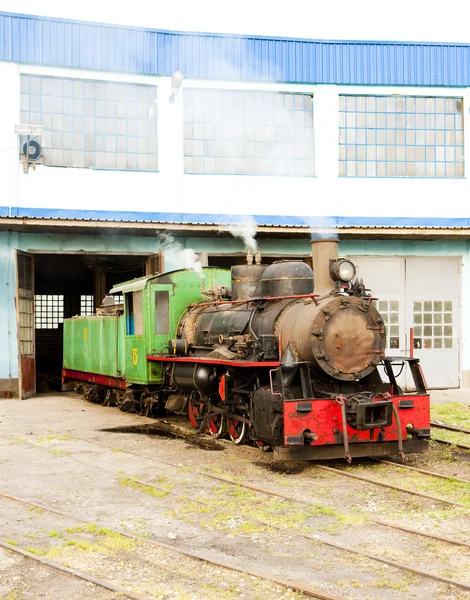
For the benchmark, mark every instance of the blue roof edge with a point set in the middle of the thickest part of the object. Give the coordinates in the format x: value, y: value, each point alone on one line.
x: 232, y: 35
x: 225, y: 219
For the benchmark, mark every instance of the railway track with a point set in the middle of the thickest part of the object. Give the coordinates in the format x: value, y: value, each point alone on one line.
x: 422, y: 471
x: 315, y: 538
x: 328, y: 469
x: 296, y: 587
x: 448, y: 427
x: 72, y: 572
x: 391, y: 486
x: 224, y: 564
x: 444, y: 427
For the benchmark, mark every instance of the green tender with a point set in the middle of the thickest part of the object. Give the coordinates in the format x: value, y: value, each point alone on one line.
x: 153, y: 305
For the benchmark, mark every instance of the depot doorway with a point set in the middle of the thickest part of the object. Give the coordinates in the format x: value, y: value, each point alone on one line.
x: 52, y: 287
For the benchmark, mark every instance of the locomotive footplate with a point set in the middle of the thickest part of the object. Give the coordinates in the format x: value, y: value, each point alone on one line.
x: 355, y: 450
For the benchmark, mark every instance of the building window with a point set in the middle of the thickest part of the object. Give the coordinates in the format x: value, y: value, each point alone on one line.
x: 400, y: 136
x: 248, y: 133
x: 390, y: 313
x: 432, y: 321
x: 87, y: 306
x: 48, y: 311
x: 95, y: 124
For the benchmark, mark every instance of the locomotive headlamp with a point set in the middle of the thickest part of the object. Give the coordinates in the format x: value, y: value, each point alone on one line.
x: 342, y: 270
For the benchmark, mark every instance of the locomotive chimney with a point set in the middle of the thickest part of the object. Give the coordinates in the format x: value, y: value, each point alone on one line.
x: 324, y: 252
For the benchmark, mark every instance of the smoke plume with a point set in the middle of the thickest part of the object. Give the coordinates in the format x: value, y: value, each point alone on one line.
x: 243, y: 227
x: 179, y: 257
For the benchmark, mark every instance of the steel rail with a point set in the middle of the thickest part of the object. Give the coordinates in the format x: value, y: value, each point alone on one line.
x: 391, y: 486
x: 424, y: 471
x: 72, y: 572
x: 277, y: 495
x: 315, y: 538
x: 440, y: 441
x: 308, y: 591
x: 449, y: 427
x: 284, y: 496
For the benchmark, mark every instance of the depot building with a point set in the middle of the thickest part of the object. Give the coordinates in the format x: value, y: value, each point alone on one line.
x: 124, y: 151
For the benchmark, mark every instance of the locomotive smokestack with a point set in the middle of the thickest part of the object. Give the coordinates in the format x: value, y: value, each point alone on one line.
x: 324, y: 251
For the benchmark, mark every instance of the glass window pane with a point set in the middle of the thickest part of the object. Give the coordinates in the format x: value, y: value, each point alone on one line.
x: 274, y: 128
x: 67, y: 108
x: 411, y: 134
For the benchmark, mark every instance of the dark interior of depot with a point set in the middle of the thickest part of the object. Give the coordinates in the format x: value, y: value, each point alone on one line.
x: 66, y: 285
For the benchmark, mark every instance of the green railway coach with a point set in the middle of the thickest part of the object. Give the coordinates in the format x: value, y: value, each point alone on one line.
x: 109, y: 349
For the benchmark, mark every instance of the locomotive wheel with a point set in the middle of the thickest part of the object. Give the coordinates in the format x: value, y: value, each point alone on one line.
x: 216, y: 424
x: 196, y: 412
x: 110, y: 398
x: 92, y: 394
x: 145, y: 404
x: 236, y: 430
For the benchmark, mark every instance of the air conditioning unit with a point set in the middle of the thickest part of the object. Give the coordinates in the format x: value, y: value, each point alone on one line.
x: 29, y: 142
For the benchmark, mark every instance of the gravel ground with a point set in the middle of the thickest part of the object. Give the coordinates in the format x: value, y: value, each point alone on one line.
x: 43, y: 461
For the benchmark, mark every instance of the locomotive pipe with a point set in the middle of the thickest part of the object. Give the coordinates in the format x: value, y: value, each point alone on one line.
x: 324, y: 252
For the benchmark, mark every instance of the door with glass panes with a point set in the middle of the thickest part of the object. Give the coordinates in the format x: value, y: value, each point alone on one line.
x: 423, y: 293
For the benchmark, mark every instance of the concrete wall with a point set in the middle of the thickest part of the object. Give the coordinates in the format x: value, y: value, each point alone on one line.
x: 170, y: 190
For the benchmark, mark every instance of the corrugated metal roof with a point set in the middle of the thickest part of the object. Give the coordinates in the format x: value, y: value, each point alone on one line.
x: 104, y: 47
x: 221, y: 220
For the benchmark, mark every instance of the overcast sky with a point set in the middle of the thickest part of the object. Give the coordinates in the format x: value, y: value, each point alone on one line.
x: 392, y: 20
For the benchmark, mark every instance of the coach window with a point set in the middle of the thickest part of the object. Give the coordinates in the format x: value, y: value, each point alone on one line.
x: 92, y: 124
x: 244, y: 132
x: 134, y: 313
x: 162, y: 312
x: 401, y: 136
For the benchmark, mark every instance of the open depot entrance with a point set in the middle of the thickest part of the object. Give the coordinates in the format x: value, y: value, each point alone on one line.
x: 53, y: 287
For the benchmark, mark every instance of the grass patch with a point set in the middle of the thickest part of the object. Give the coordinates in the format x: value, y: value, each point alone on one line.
x: 50, y: 553
x: 146, y: 489
x: 452, y: 413
x: 54, y: 534
x: 13, y: 595
x: 52, y: 438
x: 453, y: 437
x: 228, y: 501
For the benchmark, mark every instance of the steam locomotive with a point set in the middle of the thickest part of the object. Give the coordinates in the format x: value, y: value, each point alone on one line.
x: 258, y: 354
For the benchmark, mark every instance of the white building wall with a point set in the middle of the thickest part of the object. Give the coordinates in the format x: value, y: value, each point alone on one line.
x: 170, y: 190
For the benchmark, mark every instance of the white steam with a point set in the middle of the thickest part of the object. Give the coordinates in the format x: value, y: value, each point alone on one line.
x: 179, y: 257
x: 323, y: 228
x: 244, y: 228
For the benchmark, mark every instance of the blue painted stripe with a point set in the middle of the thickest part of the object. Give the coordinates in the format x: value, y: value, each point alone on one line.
x: 221, y: 219
x: 116, y: 48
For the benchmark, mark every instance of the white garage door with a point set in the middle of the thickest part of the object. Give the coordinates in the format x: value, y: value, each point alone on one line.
x: 423, y: 293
